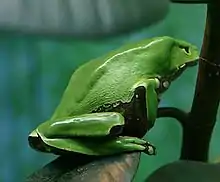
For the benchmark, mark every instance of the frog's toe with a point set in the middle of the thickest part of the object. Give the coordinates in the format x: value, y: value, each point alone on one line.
x: 150, y: 149
x: 135, y: 144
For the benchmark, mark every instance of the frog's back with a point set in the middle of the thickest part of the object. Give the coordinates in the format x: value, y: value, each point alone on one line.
x: 76, y: 89
x: 99, y: 81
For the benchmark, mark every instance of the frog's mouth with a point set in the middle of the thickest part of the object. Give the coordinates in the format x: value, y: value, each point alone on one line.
x: 166, y: 80
x: 181, y: 68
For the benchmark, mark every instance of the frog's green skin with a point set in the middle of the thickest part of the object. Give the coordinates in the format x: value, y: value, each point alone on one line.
x: 111, y: 102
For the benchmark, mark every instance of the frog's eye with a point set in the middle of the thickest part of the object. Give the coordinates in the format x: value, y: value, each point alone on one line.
x: 186, y: 49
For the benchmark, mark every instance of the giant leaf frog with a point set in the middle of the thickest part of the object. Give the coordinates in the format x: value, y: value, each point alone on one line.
x: 111, y: 102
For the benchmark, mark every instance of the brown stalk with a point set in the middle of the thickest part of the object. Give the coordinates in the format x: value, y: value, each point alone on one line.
x: 197, y: 133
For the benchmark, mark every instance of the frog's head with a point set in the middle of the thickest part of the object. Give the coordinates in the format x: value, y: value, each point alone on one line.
x: 179, y: 55
x: 183, y: 55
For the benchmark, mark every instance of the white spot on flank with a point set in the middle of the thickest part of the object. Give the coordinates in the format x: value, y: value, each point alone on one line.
x: 136, y: 96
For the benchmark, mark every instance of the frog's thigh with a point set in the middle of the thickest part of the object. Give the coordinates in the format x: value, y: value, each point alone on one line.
x: 93, y: 146
x: 94, y: 124
x: 151, y: 97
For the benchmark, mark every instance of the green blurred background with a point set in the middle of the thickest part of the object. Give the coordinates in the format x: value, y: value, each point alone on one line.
x: 35, y: 71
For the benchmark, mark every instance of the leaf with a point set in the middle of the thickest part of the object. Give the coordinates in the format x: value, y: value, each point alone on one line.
x: 191, y: 1
x: 80, y: 18
x: 186, y: 171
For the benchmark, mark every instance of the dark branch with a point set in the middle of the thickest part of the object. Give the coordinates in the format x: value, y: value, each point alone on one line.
x: 202, y: 118
x: 173, y: 112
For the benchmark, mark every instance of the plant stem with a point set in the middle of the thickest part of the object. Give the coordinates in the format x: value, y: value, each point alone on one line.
x: 197, y: 133
x: 173, y: 112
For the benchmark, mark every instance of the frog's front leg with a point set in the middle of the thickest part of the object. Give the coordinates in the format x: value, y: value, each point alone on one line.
x: 151, y: 98
x: 86, y: 125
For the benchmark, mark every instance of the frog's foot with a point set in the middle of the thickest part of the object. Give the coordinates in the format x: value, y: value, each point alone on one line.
x: 130, y: 144
x: 96, y: 146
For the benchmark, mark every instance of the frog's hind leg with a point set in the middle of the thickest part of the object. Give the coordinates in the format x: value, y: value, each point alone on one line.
x: 87, y: 125
x: 100, y: 146
x: 127, y: 144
